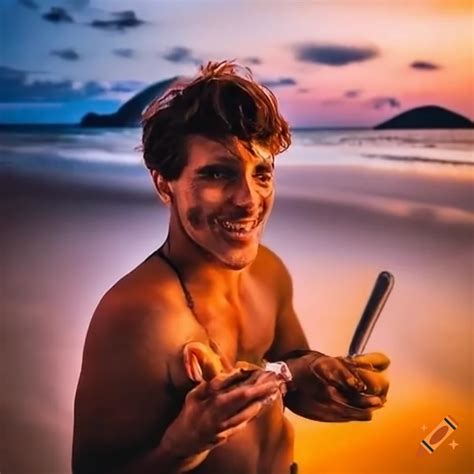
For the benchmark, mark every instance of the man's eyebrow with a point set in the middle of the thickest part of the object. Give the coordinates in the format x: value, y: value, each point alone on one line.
x: 265, y: 166
x: 223, y: 158
x: 230, y: 160
x: 233, y: 159
x: 211, y: 166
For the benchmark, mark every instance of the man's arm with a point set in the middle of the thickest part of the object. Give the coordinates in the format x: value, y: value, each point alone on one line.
x: 323, y: 388
x: 289, y: 334
x: 122, y: 404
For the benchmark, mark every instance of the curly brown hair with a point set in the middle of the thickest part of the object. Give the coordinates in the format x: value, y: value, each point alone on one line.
x: 222, y: 103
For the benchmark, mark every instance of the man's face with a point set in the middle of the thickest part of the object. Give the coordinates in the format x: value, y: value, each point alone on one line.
x: 223, y: 198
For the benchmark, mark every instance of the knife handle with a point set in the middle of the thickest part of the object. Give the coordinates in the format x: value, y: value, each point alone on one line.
x: 382, y: 288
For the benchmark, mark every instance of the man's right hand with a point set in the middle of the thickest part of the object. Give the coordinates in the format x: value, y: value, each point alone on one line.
x: 215, y: 410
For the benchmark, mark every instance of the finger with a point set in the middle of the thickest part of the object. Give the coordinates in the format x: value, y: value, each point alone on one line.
x: 223, y: 436
x: 348, y: 377
x: 338, y: 373
x: 372, y: 360
x: 199, y: 391
x: 244, y: 416
x: 336, y: 414
x: 225, y: 380
x: 337, y: 417
x: 242, y: 364
x: 219, y: 382
x: 231, y: 402
x: 247, y: 393
x: 365, y: 401
x: 367, y: 416
x: 376, y: 383
x: 345, y: 410
x: 253, y: 377
x: 269, y: 376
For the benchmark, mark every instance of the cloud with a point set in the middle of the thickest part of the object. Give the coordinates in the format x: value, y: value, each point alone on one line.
x: 79, y: 4
x: 382, y: 102
x: 252, y: 60
x: 124, y: 53
x: 424, y: 66
x: 16, y: 86
x: 122, y: 21
x: 352, y: 93
x: 58, y: 15
x: 31, y: 4
x: 180, y: 54
x: 303, y: 90
x: 281, y: 82
x: 67, y: 54
x: 334, y: 55
x: 331, y: 102
x: 11, y: 75
x: 127, y: 86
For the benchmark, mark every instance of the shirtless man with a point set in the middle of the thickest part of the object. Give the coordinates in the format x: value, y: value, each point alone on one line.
x: 210, y: 148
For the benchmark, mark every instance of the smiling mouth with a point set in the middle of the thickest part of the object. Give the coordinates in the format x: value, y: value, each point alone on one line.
x: 239, y: 229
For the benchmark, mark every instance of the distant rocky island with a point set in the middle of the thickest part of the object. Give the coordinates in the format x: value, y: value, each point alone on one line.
x: 129, y: 114
x: 427, y: 117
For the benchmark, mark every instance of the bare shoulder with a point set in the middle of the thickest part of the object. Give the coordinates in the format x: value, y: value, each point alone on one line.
x: 123, y: 396
x: 142, y: 307
x: 270, y: 266
x: 269, y: 258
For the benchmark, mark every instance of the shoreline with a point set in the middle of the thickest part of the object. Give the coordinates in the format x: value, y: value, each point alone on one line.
x: 432, y: 204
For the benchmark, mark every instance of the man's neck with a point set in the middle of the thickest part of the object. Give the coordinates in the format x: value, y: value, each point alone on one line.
x: 201, y: 273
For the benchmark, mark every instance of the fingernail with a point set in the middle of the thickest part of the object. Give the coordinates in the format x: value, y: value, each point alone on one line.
x: 356, y: 383
x: 270, y: 399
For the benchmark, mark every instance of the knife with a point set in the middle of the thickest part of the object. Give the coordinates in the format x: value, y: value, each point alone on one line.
x: 382, y: 288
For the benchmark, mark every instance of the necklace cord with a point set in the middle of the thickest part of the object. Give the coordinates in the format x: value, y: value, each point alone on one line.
x: 187, y: 294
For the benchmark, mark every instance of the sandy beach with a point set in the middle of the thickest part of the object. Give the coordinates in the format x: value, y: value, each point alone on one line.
x: 65, y: 243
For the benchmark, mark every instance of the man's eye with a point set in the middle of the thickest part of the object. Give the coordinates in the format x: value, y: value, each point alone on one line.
x: 215, y: 174
x: 265, y: 177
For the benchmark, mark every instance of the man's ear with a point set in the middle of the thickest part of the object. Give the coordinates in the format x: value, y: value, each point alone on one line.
x: 162, y: 187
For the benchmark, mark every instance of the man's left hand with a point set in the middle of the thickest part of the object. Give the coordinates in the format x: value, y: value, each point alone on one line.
x: 336, y: 389
x: 369, y: 368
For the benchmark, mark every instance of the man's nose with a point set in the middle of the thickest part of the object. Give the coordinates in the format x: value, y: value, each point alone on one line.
x: 245, y: 194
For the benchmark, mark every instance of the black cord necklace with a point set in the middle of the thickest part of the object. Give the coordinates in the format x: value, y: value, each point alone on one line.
x: 187, y: 294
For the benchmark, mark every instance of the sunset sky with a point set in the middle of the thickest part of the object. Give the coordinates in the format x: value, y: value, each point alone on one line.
x: 330, y: 63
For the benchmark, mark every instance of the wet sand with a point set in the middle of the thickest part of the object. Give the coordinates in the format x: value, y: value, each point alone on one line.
x: 65, y: 243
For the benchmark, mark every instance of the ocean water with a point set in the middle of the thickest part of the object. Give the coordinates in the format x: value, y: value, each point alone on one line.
x: 396, y: 172
x: 384, y: 148
x: 50, y: 146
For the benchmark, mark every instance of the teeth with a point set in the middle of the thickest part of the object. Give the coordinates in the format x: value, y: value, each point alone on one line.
x: 240, y: 228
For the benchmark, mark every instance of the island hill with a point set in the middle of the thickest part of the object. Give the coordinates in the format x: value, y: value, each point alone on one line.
x: 129, y: 114
x: 427, y: 117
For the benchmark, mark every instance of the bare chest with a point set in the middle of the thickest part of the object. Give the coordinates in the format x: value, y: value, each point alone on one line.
x: 242, y: 331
